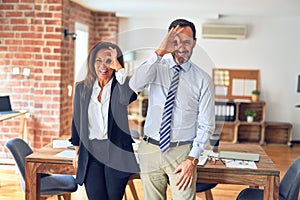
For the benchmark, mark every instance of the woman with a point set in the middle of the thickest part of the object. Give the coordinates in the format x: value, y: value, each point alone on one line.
x: 100, y: 132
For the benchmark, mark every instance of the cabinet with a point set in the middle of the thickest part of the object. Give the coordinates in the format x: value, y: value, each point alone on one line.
x: 232, y: 124
x: 278, y: 132
x: 230, y: 120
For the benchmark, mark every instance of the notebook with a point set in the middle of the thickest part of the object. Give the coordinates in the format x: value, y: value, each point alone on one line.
x: 238, y: 155
x: 5, y: 105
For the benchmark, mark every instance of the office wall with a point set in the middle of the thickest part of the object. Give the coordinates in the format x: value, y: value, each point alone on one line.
x: 272, y: 46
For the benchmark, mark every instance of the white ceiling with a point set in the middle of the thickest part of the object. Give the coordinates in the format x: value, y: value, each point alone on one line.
x: 205, y: 8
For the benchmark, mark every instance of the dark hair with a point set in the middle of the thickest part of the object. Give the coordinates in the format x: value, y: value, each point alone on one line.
x: 91, y: 75
x: 183, y: 23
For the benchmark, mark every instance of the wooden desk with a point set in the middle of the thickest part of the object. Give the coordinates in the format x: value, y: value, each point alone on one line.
x: 44, y: 161
x: 267, y: 174
x: 23, y: 122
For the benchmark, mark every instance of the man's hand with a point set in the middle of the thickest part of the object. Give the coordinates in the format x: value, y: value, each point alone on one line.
x: 171, y: 42
x: 187, y: 170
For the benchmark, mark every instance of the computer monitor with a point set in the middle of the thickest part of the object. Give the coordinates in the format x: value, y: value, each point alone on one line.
x: 298, y: 90
x: 5, y: 105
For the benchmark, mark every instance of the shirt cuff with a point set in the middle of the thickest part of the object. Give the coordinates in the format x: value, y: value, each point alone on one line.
x: 195, y: 152
x: 121, y: 76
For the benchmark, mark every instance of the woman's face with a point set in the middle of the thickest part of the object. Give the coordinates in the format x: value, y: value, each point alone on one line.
x: 103, y: 60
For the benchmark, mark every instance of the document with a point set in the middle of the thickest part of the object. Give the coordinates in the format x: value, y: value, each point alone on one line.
x: 202, y: 160
x: 205, y: 155
x: 66, y: 154
x: 61, y: 143
x: 239, y: 164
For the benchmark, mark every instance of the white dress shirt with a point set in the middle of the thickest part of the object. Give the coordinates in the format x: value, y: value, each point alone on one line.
x: 193, y: 116
x: 98, y: 111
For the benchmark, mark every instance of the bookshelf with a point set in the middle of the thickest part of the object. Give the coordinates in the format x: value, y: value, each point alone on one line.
x: 137, y: 111
x: 231, y: 121
x: 233, y: 126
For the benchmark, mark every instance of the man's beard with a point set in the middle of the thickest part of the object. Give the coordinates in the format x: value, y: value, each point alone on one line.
x: 179, y: 59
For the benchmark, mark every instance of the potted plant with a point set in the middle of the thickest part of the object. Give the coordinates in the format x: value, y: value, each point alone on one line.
x: 250, y: 115
x: 255, y: 95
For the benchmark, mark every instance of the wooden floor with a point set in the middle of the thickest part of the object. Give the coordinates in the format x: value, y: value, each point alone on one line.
x: 281, y: 155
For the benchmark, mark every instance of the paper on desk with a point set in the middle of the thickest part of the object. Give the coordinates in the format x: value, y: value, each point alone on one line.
x: 239, y: 164
x: 61, y: 143
x: 66, y: 154
x: 204, y: 156
x: 202, y: 160
x: 210, y: 153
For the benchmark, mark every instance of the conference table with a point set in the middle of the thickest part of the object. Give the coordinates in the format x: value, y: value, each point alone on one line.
x: 266, y: 174
x: 23, y: 122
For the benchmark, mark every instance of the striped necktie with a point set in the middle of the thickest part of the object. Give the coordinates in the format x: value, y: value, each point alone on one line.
x: 165, y: 128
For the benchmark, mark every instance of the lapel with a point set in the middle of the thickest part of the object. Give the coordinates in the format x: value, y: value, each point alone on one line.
x: 84, y: 118
x: 111, y: 101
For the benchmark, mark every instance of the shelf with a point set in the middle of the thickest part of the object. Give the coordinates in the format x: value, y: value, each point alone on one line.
x: 239, y: 130
x: 278, y: 132
x: 137, y: 112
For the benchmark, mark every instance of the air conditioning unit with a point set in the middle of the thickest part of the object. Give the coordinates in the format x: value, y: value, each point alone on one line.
x: 224, y: 31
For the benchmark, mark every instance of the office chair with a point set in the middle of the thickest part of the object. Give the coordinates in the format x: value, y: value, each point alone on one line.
x: 60, y: 185
x: 288, y: 188
x: 206, y: 188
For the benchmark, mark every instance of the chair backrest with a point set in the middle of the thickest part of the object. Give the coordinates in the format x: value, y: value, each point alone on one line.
x: 19, y: 150
x: 289, y: 186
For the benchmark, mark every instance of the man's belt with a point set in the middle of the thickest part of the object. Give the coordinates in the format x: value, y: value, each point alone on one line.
x: 172, y: 144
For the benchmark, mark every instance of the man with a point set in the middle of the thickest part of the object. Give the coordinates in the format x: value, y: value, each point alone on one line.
x: 180, y: 115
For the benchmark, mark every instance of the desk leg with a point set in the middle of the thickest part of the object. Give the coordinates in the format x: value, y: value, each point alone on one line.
x: 32, y: 182
x: 23, y: 128
x: 262, y: 137
x: 271, y: 190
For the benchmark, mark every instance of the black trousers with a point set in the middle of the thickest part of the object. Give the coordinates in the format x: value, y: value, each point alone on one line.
x: 104, y: 183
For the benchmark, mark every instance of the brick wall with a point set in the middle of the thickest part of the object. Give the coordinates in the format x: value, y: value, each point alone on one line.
x: 31, y: 36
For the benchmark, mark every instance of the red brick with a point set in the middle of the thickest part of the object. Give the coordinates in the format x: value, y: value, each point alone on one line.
x: 10, y: 1
x: 24, y: 7
x: 6, y: 7
x: 14, y: 14
x: 44, y: 15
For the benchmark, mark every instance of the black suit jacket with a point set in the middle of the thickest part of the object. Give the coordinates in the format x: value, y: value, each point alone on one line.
x: 118, y: 153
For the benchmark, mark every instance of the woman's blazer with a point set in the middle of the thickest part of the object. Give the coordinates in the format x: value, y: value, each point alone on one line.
x: 118, y: 153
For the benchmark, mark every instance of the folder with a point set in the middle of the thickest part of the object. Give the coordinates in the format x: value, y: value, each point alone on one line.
x: 238, y: 155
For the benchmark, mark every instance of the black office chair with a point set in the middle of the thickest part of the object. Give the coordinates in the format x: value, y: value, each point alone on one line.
x: 288, y: 188
x: 206, y: 188
x: 60, y: 185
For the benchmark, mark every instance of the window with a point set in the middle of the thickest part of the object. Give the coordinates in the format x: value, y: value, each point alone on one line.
x: 81, y: 51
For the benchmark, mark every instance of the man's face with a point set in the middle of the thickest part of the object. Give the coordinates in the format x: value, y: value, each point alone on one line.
x: 183, y: 45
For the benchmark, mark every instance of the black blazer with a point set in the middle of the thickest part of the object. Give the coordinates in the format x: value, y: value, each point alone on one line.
x: 118, y: 153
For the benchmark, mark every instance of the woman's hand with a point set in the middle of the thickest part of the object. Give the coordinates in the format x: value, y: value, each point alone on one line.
x: 113, y: 57
x: 75, y: 160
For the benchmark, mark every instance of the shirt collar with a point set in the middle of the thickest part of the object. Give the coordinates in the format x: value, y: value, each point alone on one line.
x: 97, y: 87
x: 185, y: 66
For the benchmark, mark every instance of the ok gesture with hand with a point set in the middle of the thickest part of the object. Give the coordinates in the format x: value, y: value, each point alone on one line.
x: 113, y: 57
x: 170, y: 43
